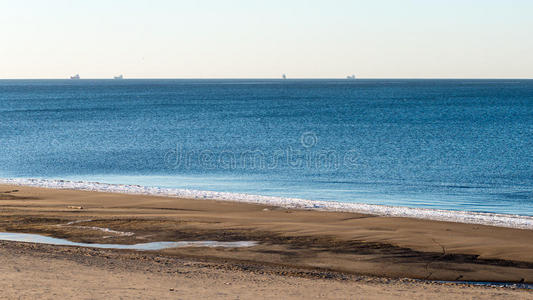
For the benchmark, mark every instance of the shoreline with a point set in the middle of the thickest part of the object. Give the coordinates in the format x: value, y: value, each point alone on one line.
x: 464, y: 217
x: 344, y: 242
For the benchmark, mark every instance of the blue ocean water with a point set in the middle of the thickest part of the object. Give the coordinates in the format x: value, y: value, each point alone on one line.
x: 447, y: 144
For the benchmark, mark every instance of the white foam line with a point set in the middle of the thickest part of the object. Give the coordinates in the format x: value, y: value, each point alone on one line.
x: 499, y: 220
x: 74, y: 222
x: 107, y: 230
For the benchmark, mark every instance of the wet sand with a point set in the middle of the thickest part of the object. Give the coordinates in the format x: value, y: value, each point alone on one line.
x: 47, y: 272
x: 300, y: 253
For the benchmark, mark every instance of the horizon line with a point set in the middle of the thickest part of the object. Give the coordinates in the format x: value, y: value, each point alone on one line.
x: 274, y: 78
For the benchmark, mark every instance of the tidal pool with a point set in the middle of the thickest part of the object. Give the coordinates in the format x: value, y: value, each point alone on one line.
x: 42, y: 239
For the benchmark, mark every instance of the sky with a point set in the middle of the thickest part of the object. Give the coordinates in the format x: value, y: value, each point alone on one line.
x: 264, y: 39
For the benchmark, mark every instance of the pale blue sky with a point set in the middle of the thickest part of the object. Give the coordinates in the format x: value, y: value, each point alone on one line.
x: 263, y: 39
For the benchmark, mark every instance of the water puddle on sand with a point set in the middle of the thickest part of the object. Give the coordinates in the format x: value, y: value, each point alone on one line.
x: 41, y: 239
x: 516, y: 285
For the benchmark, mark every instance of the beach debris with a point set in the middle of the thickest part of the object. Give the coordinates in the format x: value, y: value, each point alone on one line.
x: 74, y: 207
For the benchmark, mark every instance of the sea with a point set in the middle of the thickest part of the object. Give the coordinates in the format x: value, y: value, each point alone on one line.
x: 455, y: 145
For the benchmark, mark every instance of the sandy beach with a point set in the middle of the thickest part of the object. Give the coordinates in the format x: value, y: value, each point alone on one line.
x: 300, y: 253
x: 266, y: 150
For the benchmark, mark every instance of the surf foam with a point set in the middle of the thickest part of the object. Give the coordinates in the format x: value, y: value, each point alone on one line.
x: 103, y: 229
x: 499, y: 220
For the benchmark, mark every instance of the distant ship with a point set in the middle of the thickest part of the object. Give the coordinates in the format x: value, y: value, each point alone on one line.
x: 350, y: 77
x: 118, y: 77
x: 77, y: 76
x: 284, y: 76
